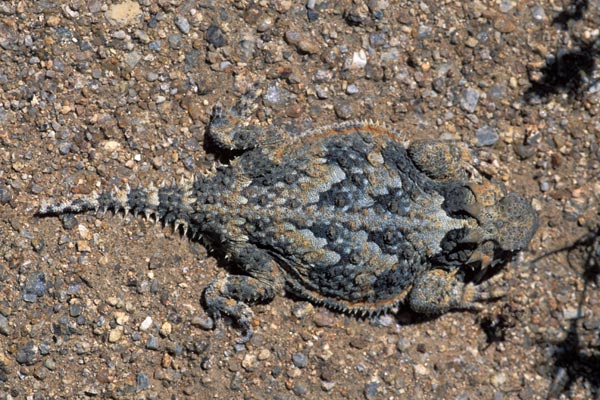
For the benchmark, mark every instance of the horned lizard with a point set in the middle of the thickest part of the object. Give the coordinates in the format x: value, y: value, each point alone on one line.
x: 345, y: 216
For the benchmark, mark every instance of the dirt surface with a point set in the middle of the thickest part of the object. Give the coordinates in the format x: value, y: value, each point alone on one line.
x: 95, y: 93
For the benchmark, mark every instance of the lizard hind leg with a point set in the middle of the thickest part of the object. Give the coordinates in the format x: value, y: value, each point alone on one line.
x: 232, y: 294
x: 437, y: 292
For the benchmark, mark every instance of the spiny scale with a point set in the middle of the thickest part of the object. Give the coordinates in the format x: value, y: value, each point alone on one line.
x: 174, y: 209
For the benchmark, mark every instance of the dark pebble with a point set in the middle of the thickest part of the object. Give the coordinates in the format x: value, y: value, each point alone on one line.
x: 344, y: 110
x: 5, y: 195
x: 312, y: 15
x: 214, y: 36
x: 236, y: 382
x: 371, y: 390
x: 300, y: 389
x: 44, y: 348
x: 300, y: 360
x: 35, y: 286
x: 4, y: 326
x: 152, y: 343
x: 141, y: 382
x: 75, y: 310
x: 276, y: 371
x: 27, y: 355
x: 486, y: 136
x: 38, y: 244
x: 68, y: 221
x: 438, y: 85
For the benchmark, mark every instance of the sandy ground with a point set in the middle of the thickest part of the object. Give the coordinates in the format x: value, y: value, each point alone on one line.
x: 96, y: 93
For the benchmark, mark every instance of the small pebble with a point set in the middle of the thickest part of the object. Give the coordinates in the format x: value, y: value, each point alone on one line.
x: 146, y: 324
x: 28, y: 354
x: 324, y: 318
x: 469, y: 100
x: 4, y: 325
x: 35, y: 286
x: 486, y: 136
x: 115, y: 334
x: 371, y: 390
x: 166, y: 329
x: 538, y: 13
x: 403, y: 344
x: 300, y: 360
x: 152, y: 343
x: 142, y: 382
x: 300, y: 389
x: 249, y: 362
x: 302, y: 309
x: 420, y: 369
x: 214, y: 36
x: 182, y: 23
x: 205, y: 322
x: 5, y: 196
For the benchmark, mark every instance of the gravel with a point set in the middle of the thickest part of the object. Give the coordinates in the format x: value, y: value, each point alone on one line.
x: 95, y: 94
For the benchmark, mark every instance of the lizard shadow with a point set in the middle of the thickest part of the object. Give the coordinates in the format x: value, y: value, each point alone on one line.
x: 567, y: 70
x: 570, y: 359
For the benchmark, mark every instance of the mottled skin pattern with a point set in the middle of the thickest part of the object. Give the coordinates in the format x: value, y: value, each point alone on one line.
x: 344, y: 216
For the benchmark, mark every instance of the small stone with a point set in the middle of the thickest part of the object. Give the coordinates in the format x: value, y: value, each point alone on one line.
x: 4, y: 325
x: 504, y: 24
x: 302, y: 309
x: 124, y: 13
x: 300, y: 389
x: 358, y: 60
x: 371, y: 390
x: 35, y: 286
x: 277, y: 97
x: 538, y: 13
x: 352, y: 89
x: 324, y: 318
x: 83, y: 246
x: 506, y: 5
x: 420, y: 369
x: 146, y: 324
x: 151, y: 76
x: 28, y: 354
x: 132, y: 59
x: 142, y: 382
x: 249, y: 362
x: 166, y: 329
x: 5, y: 196
x: 206, y: 323
x: 115, y: 334
x: 486, y: 136
x: 300, y: 360
x: 263, y: 354
x: 182, y: 23
x: 498, y: 379
x: 214, y: 36
x: 571, y: 313
x: 152, y: 343
x: 75, y: 310
x: 68, y: 221
x: 344, y: 110
x: 469, y: 100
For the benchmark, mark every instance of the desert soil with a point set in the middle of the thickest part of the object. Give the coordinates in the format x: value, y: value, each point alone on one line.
x: 100, y: 93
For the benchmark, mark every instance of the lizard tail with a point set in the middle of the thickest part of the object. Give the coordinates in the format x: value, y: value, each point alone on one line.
x: 172, y: 204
